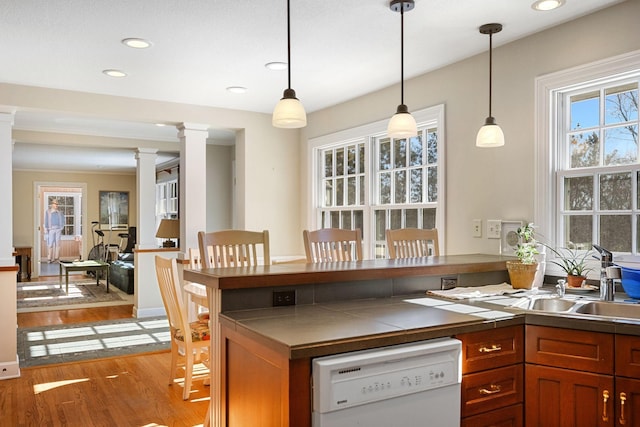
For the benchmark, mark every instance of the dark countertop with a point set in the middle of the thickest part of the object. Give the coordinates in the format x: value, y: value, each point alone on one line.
x: 331, y: 328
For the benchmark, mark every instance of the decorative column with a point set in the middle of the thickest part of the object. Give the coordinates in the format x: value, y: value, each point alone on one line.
x: 146, y: 201
x: 9, y: 366
x: 193, y: 183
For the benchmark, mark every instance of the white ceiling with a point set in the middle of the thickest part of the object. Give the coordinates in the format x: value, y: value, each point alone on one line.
x: 340, y: 50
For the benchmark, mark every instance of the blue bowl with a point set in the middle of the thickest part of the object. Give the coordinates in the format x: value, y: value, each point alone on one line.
x: 631, y: 281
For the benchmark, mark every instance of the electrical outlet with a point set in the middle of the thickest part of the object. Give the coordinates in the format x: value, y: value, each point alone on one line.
x: 477, y: 228
x: 448, y: 283
x: 282, y: 298
x: 494, y: 228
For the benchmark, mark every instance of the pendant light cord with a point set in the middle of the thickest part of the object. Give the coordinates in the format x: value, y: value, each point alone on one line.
x: 288, y: 48
x: 490, y: 69
x: 402, y: 53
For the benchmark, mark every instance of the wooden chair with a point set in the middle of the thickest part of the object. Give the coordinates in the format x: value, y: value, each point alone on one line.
x: 332, y: 244
x: 188, y: 339
x: 412, y: 243
x: 233, y: 248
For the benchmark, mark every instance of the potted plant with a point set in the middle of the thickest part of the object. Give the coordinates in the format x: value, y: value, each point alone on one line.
x: 522, y: 272
x: 574, y: 263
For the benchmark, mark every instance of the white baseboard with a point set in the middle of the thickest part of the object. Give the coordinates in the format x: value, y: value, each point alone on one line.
x: 148, y: 312
x: 10, y: 369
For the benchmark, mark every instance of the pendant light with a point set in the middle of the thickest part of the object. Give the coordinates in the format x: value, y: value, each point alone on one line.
x: 402, y: 124
x: 289, y: 111
x: 490, y: 135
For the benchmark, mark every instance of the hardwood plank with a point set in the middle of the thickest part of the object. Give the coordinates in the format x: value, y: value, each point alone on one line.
x: 78, y: 315
x: 126, y: 391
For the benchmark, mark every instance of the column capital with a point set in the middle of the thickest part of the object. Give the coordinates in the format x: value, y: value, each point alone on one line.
x: 7, y: 117
x: 183, y: 127
x: 142, y: 151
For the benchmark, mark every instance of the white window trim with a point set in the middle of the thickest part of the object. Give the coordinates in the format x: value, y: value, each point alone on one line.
x: 548, y: 89
x: 353, y: 135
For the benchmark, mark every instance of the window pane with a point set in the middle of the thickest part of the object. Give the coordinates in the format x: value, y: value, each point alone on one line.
x: 381, y: 224
x: 328, y: 193
x: 351, y: 190
x: 578, y: 193
x: 584, y: 149
x: 334, y: 220
x: 361, y: 168
x: 416, y: 186
x: 340, y: 162
x: 432, y: 146
x: 621, y: 104
x: 415, y: 147
x: 361, y: 193
x: 400, y: 186
x: 395, y: 217
x: 328, y: 163
x: 615, y: 232
x: 340, y: 192
x: 411, y: 218
x: 615, y: 191
x: 578, y: 231
x: 400, y: 153
x: 385, y: 154
x: 621, y: 145
x: 358, y: 221
x: 345, y: 220
x: 351, y: 160
x: 385, y: 188
x: 428, y: 218
x: 585, y: 110
x: 432, y: 184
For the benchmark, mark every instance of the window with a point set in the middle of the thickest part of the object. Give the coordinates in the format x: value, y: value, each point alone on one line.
x: 366, y: 180
x: 69, y: 204
x: 590, y: 145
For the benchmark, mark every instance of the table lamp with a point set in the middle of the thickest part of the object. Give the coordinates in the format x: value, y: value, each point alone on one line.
x: 168, y: 229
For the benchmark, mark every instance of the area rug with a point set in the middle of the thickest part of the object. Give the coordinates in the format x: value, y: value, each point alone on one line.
x: 44, y: 345
x: 50, y: 294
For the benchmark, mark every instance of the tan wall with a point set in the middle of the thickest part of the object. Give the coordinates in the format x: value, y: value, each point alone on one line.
x: 24, y: 200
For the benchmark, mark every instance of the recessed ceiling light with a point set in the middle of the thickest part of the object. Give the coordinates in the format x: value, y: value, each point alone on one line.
x: 114, y: 73
x: 160, y: 124
x: 237, y: 89
x: 544, y: 5
x: 276, y: 65
x: 136, y: 43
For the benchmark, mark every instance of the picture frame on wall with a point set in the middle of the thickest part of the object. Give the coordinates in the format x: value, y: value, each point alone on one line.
x: 114, y: 210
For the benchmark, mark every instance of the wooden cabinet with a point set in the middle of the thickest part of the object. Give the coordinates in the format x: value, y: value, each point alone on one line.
x: 569, y: 378
x: 492, y: 380
x: 627, y: 391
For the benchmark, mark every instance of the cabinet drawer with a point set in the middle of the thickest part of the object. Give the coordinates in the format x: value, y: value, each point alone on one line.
x: 493, y: 389
x: 511, y: 416
x: 491, y: 348
x: 628, y: 356
x: 571, y: 349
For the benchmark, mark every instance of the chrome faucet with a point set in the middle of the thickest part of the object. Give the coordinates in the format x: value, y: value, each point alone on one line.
x: 561, y: 287
x: 607, y: 289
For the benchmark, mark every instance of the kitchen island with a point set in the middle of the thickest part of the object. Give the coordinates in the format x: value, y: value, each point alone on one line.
x: 262, y: 373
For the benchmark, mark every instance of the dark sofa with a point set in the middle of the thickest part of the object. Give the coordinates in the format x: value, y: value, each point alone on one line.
x: 121, y: 273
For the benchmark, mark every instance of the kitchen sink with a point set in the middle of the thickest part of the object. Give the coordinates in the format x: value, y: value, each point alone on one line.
x: 609, y: 309
x: 555, y: 305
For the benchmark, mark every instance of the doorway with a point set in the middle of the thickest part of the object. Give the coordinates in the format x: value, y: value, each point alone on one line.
x: 71, y: 198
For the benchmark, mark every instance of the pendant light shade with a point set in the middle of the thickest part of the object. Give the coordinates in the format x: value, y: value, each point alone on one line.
x: 402, y: 124
x: 289, y: 111
x: 490, y: 135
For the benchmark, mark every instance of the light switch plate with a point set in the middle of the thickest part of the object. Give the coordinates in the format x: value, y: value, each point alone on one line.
x: 493, y: 228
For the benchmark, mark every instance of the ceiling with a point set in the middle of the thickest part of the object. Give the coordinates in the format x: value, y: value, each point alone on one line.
x: 340, y: 50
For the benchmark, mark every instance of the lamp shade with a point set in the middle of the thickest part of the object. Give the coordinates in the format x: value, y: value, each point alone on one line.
x: 289, y: 112
x: 168, y: 229
x: 402, y: 124
x: 490, y: 135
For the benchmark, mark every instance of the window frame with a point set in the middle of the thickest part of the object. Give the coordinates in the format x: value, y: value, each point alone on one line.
x: 427, y: 117
x: 550, y: 90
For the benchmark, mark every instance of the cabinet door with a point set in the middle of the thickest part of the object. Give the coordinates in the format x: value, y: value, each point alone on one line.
x: 556, y: 397
x: 628, y: 356
x: 627, y: 402
x: 511, y: 416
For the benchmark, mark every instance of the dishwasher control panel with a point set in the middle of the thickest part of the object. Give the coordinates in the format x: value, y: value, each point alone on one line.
x: 367, y: 376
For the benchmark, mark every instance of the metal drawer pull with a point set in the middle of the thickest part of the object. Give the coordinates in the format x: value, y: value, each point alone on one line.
x: 494, y: 347
x: 605, y: 398
x: 493, y: 389
x: 623, y: 399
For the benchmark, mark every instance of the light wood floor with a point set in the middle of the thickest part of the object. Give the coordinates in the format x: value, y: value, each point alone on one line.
x: 123, y: 391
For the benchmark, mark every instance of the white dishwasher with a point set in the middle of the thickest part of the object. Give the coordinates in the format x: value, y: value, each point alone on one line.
x: 408, y: 385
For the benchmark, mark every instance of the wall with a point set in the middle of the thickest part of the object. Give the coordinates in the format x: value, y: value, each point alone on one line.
x: 24, y: 200
x: 489, y: 183
x: 219, y: 187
